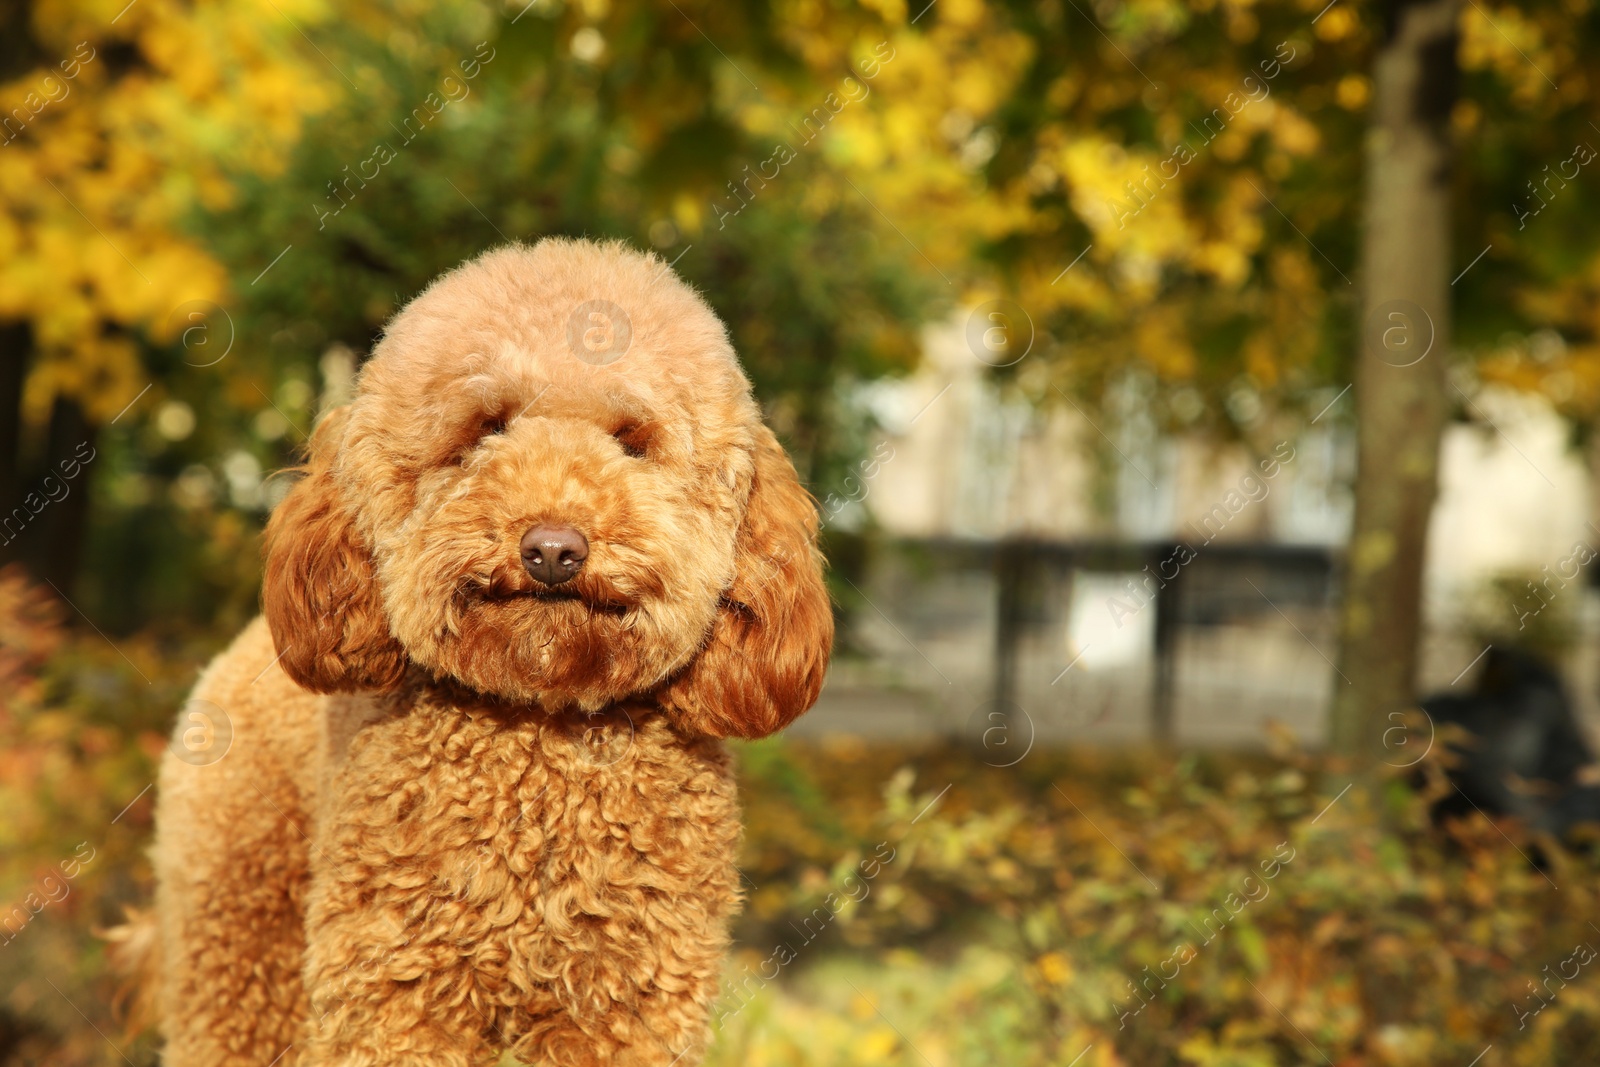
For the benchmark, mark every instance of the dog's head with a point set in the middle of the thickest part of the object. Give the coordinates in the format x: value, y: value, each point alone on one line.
x: 553, y: 486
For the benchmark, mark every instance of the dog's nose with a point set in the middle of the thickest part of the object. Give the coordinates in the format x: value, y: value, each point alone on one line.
x: 554, y: 554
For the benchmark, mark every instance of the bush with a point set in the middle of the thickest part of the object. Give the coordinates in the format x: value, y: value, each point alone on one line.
x: 1221, y: 912
x: 911, y: 904
x: 82, y: 722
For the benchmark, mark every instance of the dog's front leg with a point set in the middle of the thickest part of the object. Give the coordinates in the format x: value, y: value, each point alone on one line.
x: 385, y: 992
x: 385, y: 971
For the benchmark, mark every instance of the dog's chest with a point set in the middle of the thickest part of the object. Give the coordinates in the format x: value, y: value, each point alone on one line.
x: 525, y: 841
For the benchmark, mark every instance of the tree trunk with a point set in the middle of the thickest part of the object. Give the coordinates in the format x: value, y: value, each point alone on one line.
x: 1400, y: 380
x: 55, y: 539
x: 16, y: 341
x: 1164, y: 686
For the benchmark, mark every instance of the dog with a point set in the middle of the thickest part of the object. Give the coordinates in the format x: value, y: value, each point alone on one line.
x: 472, y: 792
x: 1523, y: 754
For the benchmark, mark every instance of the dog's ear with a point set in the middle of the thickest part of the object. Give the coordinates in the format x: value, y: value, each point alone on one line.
x: 768, y: 650
x: 320, y: 600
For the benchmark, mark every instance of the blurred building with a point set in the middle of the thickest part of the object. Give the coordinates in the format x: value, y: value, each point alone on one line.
x: 1027, y: 551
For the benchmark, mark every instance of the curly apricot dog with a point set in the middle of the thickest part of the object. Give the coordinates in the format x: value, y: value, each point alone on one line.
x: 472, y: 795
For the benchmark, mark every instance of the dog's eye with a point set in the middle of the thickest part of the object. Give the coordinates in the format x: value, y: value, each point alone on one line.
x: 633, y: 438
x: 491, y: 426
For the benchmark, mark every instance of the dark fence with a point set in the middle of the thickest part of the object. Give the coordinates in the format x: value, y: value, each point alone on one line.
x: 1096, y: 642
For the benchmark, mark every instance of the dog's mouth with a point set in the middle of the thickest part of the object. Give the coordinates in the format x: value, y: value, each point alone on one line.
x: 502, y: 594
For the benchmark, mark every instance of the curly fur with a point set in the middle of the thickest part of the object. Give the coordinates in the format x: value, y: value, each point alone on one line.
x: 462, y: 812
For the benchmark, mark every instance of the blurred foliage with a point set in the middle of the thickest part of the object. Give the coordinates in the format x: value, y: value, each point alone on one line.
x: 1029, y: 915
x: 536, y: 143
x: 1537, y: 612
x: 1131, y: 908
x: 117, y: 126
x: 169, y: 241
x: 473, y: 124
x: 271, y: 182
x: 82, y: 724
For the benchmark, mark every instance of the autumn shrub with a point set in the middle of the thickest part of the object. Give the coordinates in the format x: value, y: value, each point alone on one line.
x: 1132, y: 908
x: 911, y: 904
x: 82, y: 720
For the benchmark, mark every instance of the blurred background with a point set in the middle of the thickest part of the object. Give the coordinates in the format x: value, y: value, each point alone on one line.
x: 1189, y: 387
